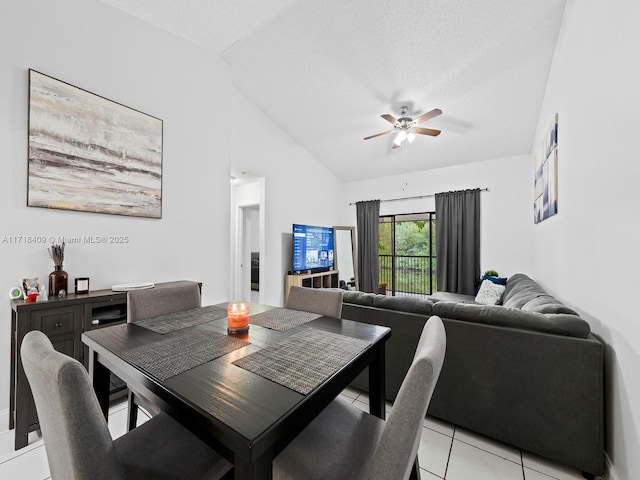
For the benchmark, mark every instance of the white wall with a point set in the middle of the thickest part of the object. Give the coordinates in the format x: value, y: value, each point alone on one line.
x: 506, y: 209
x: 100, y: 49
x: 298, y: 189
x: 587, y: 253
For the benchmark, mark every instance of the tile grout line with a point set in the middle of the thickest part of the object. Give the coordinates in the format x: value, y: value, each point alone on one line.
x: 474, y: 445
x: 33, y: 448
x: 453, y: 436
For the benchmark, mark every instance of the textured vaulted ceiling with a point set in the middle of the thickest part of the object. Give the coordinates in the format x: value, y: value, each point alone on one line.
x: 326, y: 70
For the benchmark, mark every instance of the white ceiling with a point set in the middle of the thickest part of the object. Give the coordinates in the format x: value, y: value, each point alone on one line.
x: 326, y: 70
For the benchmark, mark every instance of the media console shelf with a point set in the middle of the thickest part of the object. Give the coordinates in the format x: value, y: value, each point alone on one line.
x: 63, y: 320
x: 327, y: 279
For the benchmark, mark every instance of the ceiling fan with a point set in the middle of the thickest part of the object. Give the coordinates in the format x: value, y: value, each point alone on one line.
x: 406, y: 126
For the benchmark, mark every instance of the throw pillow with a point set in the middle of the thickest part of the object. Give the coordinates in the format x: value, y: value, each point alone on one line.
x: 498, y: 280
x: 489, y: 293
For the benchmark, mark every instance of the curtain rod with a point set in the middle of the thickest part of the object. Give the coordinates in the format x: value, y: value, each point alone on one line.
x: 416, y: 197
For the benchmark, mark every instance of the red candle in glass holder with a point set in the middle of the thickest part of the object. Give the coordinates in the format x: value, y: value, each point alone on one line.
x: 237, y: 317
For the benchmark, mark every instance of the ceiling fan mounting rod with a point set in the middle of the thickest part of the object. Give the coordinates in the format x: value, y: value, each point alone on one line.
x: 404, y: 122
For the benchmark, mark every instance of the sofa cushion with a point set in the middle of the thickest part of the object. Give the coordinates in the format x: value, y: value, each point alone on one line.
x: 404, y: 304
x: 547, y: 304
x: 358, y: 298
x: 490, y: 293
x: 557, y: 324
x: 452, y: 297
x: 522, y: 296
x: 519, y: 290
x: 518, y: 283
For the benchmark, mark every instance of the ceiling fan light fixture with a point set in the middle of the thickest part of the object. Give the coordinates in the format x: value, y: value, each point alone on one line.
x: 411, y: 136
x: 400, y: 137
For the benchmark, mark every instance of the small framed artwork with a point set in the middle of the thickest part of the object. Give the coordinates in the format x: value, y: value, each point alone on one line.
x: 30, y: 286
x: 82, y: 285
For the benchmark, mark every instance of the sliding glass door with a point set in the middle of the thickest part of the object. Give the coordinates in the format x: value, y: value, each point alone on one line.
x: 407, y: 253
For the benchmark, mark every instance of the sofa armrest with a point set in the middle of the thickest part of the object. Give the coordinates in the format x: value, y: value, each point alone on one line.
x: 539, y: 392
x: 557, y: 324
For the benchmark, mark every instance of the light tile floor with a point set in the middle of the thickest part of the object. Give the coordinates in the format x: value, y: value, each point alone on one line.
x: 30, y: 462
x: 445, y: 452
x: 452, y: 453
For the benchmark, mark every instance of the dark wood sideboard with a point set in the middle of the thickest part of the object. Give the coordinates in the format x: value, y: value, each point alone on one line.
x: 63, y: 320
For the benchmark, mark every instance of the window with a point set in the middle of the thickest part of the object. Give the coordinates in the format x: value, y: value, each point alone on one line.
x: 407, y: 254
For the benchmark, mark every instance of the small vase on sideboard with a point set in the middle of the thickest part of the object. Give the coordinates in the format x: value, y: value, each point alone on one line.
x: 58, y: 280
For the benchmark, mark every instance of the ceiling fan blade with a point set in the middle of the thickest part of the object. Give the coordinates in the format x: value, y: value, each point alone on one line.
x: 433, y: 113
x: 389, y: 119
x: 427, y: 131
x: 377, y: 135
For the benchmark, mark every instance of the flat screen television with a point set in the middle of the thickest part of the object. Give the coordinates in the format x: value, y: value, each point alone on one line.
x: 312, y: 248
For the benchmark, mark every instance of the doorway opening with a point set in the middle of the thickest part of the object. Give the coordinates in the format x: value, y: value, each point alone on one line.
x: 247, y: 240
x: 251, y: 252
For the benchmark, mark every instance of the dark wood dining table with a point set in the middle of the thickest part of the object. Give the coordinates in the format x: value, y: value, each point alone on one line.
x: 246, y: 417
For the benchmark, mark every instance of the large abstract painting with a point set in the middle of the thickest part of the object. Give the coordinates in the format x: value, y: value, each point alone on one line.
x: 545, y: 196
x: 91, y: 154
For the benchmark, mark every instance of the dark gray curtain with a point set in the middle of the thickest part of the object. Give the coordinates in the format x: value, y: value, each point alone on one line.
x: 458, y: 241
x: 368, y: 215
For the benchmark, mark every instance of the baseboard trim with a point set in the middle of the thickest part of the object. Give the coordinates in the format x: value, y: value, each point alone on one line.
x: 610, y: 471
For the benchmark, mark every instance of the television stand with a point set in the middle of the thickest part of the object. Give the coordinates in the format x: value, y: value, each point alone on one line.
x: 328, y: 279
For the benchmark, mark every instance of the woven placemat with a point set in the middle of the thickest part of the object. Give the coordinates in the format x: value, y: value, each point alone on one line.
x: 186, y: 318
x: 181, y: 352
x: 282, y: 319
x: 304, y: 360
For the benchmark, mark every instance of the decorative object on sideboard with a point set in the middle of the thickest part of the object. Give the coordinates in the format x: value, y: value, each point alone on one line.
x: 43, y: 297
x: 15, y: 293
x: 30, y: 289
x: 91, y: 154
x: 58, y: 279
x: 81, y: 285
x: 126, y: 287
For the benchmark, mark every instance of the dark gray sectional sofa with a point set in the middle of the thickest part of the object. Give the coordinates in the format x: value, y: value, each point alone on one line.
x: 527, y: 372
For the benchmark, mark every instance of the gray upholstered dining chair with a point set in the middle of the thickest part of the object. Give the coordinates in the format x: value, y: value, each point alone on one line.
x: 147, y: 303
x: 152, y: 302
x: 345, y: 442
x: 315, y: 300
x: 77, y: 439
